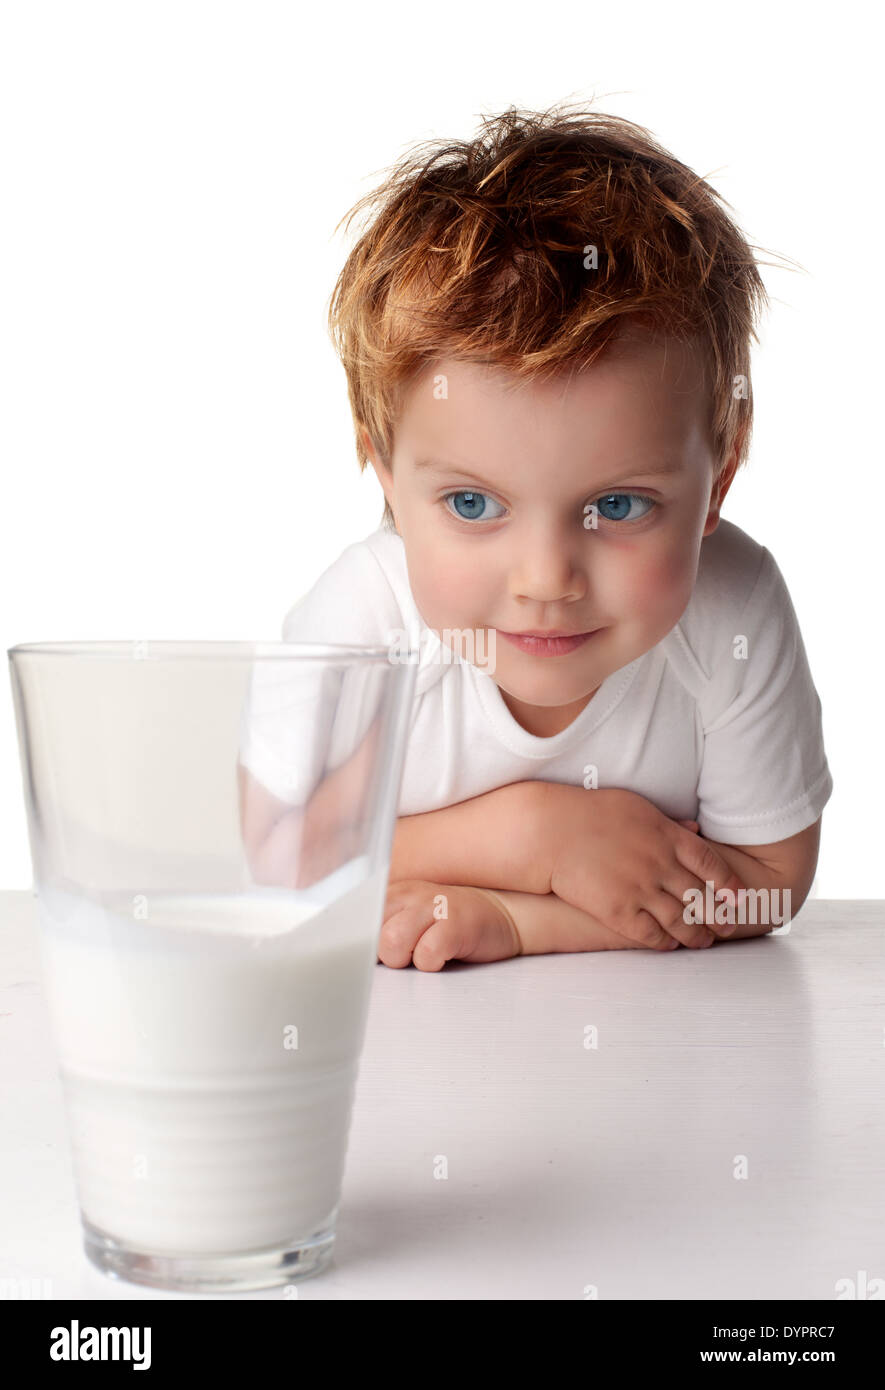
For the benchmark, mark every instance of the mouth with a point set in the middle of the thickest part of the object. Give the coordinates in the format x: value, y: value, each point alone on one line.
x: 536, y: 644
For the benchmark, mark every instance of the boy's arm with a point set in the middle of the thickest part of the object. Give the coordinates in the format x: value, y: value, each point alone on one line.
x: 500, y: 837
x: 788, y: 865
x: 545, y: 924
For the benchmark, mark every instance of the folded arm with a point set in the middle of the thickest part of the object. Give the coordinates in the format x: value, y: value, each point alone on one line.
x: 506, y: 839
x: 788, y: 865
x: 545, y: 924
x: 500, y: 839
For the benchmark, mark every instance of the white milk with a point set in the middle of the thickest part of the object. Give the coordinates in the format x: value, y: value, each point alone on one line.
x: 198, y: 1125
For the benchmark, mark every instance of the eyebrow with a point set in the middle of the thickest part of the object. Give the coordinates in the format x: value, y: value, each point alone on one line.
x: 664, y: 468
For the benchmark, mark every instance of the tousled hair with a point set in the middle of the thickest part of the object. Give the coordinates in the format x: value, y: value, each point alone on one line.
x: 480, y: 251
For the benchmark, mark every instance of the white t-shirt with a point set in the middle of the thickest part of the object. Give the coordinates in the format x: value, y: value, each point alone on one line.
x: 701, y: 732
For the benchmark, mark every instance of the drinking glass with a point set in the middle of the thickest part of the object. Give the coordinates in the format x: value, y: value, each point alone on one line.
x: 210, y: 827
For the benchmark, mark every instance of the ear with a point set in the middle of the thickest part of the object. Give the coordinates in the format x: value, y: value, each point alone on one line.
x: 723, y: 483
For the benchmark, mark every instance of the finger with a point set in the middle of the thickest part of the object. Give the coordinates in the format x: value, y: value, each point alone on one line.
x: 398, y: 896
x: 670, y: 912
x: 706, y: 866
x: 401, y: 932
x: 402, y: 889
x: 439, y: 943
x: 644, y: 929
x: 696, y: 923
x: 405, y: 891
x: 689, y: 824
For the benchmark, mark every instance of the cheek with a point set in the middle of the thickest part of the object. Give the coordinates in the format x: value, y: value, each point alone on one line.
x: 447, y: 594
x: 657, y: 584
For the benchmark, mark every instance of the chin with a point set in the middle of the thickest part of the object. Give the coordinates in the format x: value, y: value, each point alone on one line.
x: 550, y: 693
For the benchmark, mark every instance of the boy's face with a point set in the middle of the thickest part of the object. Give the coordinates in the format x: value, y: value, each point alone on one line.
x: 510, y: 549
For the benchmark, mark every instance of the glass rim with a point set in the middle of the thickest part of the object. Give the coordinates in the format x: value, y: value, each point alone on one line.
x: 197, y: 649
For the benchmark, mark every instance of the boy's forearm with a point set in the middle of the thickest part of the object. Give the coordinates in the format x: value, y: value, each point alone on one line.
x: 761, y: 879
x: 545, y: 924
x: 501, y: 839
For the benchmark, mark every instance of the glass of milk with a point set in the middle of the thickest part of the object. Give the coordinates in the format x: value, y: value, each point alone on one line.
x: 210, y: 827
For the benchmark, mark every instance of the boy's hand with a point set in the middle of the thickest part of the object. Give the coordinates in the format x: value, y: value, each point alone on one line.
x: 425, y: 924
x: 628, y: 865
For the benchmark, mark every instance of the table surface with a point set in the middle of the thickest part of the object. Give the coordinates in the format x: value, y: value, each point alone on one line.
x: 617, y: 1124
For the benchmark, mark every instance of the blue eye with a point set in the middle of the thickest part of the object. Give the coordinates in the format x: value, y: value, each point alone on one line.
x: 619, y: 498
x: 475, y: 506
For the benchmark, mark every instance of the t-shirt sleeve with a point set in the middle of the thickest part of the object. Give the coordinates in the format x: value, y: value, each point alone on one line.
x: 302, y: 719
x: 764, y: 774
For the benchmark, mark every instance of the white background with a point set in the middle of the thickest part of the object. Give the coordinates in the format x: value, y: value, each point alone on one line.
x: 175, y: 440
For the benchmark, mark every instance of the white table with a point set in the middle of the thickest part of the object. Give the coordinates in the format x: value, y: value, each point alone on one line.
x: 614, y: 1168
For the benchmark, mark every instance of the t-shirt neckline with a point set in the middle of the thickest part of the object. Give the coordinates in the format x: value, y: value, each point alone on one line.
x: 511, y: 733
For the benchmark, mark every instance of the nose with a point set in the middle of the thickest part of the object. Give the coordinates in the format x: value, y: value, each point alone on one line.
x: 545, y: 568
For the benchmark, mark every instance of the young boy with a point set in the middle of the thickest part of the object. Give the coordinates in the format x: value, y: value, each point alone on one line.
x: 546, y: 334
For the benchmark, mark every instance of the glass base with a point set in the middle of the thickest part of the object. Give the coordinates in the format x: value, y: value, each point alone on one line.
x: 256, y: 1269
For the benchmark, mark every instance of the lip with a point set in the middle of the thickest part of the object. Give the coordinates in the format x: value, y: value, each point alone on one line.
x: 545, y: 644
x: 543, y: 632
